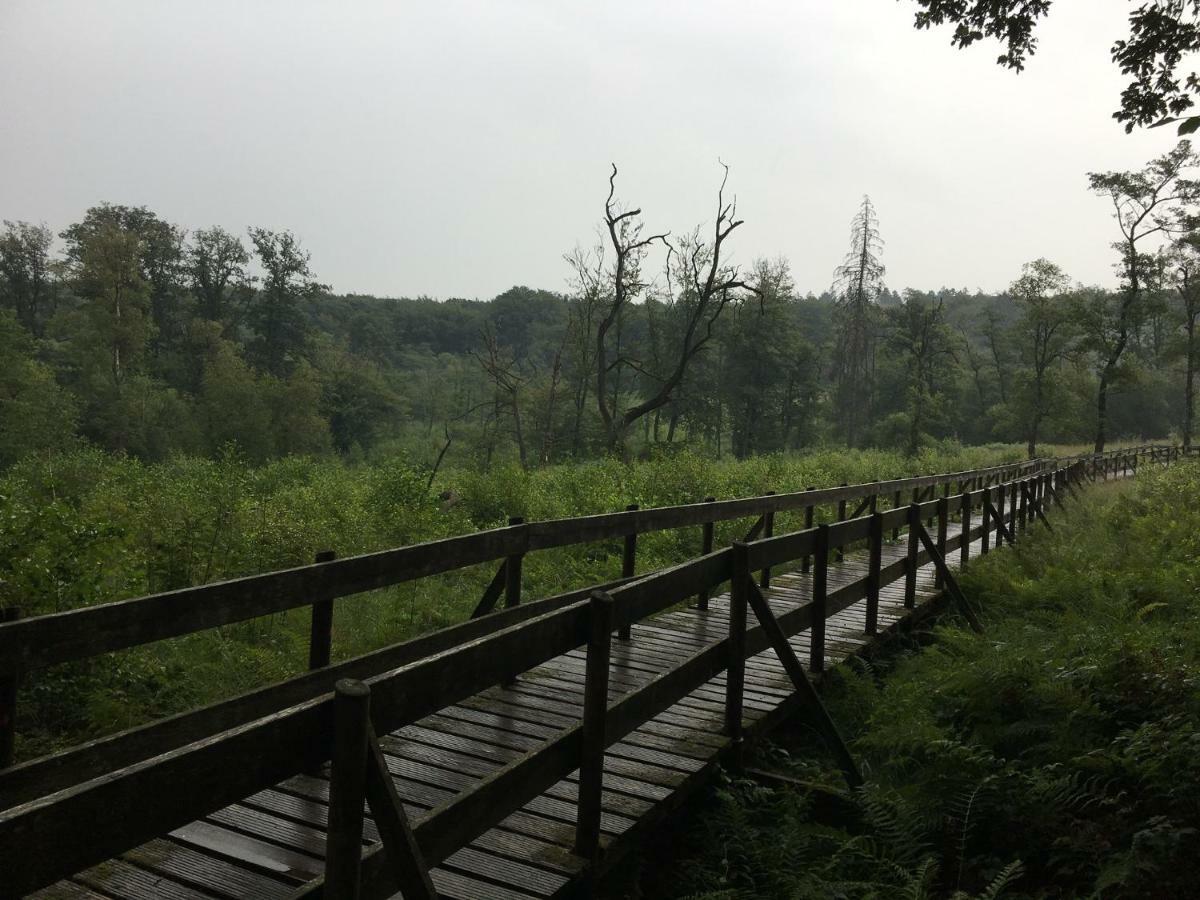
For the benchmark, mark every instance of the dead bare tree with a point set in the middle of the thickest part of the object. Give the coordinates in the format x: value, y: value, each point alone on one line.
x: 501, y: 368
x: 699, y: 285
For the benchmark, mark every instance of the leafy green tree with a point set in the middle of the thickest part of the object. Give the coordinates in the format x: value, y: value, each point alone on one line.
x: 1162, y: 33
x: 1144, y: 205
x: 216, y: 267
x: 159, y: 260
x: 35, y: 413
x: 281, y: 331
x: 25, y: 272
x: 919, y: 333
x: 1185, y: 277
x: 1044, y: 336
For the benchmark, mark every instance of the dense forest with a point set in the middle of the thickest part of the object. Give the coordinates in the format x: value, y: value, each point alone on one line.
x: 136, y: 335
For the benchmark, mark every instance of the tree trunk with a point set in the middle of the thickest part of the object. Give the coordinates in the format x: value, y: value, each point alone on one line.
x: 1189, y: 382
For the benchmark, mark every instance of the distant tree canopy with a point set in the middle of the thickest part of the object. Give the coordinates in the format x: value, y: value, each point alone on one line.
x: 142, y: 338
x: 1161, y: 34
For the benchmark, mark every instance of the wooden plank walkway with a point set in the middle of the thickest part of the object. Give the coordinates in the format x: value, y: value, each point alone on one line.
x: 272, y: 842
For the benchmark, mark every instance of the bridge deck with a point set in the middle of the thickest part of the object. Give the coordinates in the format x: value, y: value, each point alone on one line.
x: 273, y: 841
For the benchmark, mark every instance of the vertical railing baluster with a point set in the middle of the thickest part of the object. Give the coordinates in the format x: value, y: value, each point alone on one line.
x: 841, y: 517
x: 320, y: 632
x: 628, y: 568
x: 347, y: 789
x: 874, y: 564
x: 9, y: 681
x: 706, y: 547
x: 806, y: 562
x: 739, y: 585
x: 512, y: 572
x: 768, y: 531
x: 943, y: 522
x: 910, y: 563
x: 964, y: 549
x: 820, y: 590
x: 896, y: 501
x: 595, y: 711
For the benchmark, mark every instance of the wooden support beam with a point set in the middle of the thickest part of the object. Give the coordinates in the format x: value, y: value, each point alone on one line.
x: 492, y: 593
x: 1002, y: 529
x: 820, y: 590
x: 512, y: 572
x: 768, y: 531
x: 806, y: 562
x: 9, y: 682
x: 739, y: 586
x: 948, y: 579
x: 628, y: 567
x: 706, y: 547
x: 400, y: 848
x: 910, y: 559
x: 347, y: 789
x: 320, y: 635
x: 809, y: 696
x: 874, y: 564
x: 841, y: 517
x: 595, y: 709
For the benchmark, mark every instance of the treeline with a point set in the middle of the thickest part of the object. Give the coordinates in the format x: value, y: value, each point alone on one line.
x: 135, y: 336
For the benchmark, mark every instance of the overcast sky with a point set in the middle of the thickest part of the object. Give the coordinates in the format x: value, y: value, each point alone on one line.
x: 458, y: 148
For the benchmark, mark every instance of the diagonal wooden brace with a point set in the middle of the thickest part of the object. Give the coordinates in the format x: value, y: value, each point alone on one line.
x: 948, y: 580
x: 488, y: 601
x: 755, y: 530
x: 1001, y: 526
x: 791, y: 664
x: 1041, y: 515
x: 400, y: 848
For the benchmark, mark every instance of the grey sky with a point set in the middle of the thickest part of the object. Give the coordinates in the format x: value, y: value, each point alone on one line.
x: 458, y: 148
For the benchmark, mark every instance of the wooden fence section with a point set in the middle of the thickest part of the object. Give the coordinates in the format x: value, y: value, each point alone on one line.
x: 502, y: 757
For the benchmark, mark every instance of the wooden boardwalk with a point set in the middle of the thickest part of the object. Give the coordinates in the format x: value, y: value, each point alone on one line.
x: 271, y: 843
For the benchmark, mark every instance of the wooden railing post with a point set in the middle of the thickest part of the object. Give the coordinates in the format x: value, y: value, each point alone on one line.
x: 943, y: 521
x: 768, y: 531
x: 1012, y: 507
x: 512, y: 572
x: 841, y: 517
x: 985, y: 520
x: 874, y: 564
x: 896, y: 501
x: 964, y: 550
x: 8, y: 700
x: 820, y: 590
x: 735, y: 679
x: 595, y: 710
x: 320, y: 635
x: 806, y: 562
x: 628, y: 568
x: 1024, y: 499
x: 706, y: 547
x: 347, y: 788
x: 910, y: 562
x: 1002, y: 494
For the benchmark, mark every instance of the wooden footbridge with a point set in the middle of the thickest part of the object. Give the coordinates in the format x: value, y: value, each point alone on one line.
x: 517, y: 755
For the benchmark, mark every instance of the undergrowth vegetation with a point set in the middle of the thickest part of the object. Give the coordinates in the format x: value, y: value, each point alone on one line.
x: 87, y: 527
x: 1057, y: 755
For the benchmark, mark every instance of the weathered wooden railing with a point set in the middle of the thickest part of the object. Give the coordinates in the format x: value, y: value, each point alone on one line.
x: 90, y: 631
x: 148, y: 781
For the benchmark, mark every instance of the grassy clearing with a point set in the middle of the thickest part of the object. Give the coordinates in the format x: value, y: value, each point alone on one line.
x: 1056, y: 756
